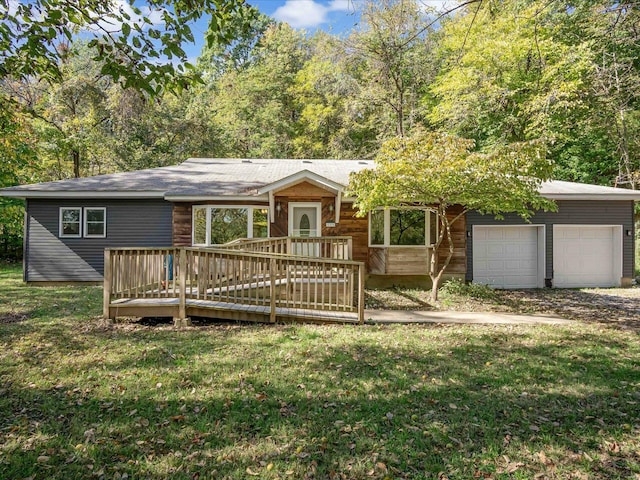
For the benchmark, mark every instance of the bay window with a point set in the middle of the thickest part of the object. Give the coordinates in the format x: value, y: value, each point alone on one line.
x: 403, y: 227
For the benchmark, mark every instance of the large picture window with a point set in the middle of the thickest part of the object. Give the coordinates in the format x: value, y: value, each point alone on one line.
x: 215, y: 225
x: 402, y: 227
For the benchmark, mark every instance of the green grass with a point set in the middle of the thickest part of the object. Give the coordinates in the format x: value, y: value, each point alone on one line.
x: 79, y: 399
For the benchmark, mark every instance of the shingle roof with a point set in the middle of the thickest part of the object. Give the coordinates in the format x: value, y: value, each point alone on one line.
x: 243, y: 177
x: 201, y: 176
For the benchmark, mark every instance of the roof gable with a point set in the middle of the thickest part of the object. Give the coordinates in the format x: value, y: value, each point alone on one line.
x: 300, y: 177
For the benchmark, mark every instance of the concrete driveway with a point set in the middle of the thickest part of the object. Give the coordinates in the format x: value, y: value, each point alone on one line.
x: 413, y: 316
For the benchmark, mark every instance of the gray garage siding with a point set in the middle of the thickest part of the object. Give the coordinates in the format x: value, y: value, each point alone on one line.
x: 130, y: 223
x: 570, y: 212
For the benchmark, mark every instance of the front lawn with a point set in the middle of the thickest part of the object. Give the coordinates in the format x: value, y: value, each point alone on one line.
x: 81, y: 399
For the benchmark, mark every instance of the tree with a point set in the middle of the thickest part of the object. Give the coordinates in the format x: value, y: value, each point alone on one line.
x: 255, y: 106
x: 392, y: 58
x: 18, y: 159
x: 222, y: 55
x: 66, y: 113
x: 138, y: 45
x: 441, y: 170
x: 333, y: 122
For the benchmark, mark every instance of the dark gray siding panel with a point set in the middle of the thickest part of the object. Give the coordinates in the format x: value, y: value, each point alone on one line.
x: 130, y: 223
x: 574, y: 212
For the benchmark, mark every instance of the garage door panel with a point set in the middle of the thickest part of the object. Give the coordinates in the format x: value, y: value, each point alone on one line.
x: 506, y: 257
x: 495, y: 249
x: 583, y: 256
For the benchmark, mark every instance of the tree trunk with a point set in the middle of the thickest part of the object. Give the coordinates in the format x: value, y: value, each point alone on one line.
x: 444, y: 233
x: 75, y: 154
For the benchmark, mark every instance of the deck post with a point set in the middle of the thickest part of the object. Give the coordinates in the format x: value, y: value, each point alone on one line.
x: 272, y: 290
x: 361, y: 293
x: 106, y: 285
x: 182, y: 319
x: 349, y: 249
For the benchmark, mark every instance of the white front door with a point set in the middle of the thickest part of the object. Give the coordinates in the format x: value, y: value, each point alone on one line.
x: 304, y: 219
x: 305, y: 222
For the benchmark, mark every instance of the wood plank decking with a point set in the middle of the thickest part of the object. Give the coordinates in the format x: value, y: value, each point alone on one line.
x: 258, y: 282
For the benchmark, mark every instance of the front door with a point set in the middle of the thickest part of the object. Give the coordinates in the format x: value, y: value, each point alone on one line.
x: 304, y: 222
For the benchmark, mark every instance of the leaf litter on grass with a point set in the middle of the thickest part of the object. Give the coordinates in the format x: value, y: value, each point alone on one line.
x: 304, y: 401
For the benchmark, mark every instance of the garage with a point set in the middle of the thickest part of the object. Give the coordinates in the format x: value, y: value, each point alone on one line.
x: 508, y: 256
x: 587, y: 256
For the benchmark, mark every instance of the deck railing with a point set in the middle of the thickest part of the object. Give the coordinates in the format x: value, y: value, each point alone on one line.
x: 323, y: 247
x: 273, y: 280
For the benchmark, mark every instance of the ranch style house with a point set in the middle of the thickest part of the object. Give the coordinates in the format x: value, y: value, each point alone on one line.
x: 206, y: 203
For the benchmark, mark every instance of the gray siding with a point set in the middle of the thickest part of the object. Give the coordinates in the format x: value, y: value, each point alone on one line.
x: 130, y: 223
x: 574, y: 212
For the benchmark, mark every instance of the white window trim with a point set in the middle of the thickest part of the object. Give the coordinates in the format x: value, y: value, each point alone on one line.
x: 429, y: 242
x: 86, y: 222
x: 208, y: 208
x: 61, y: 233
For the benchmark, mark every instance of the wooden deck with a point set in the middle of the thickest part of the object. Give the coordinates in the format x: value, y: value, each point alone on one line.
x: 246, y: 280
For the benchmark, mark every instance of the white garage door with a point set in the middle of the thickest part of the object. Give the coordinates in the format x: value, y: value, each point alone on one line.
x: 506, y: 257
x: 586, y: 256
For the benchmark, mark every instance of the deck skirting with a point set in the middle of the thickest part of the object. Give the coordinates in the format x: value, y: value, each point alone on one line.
x: 169, y: 307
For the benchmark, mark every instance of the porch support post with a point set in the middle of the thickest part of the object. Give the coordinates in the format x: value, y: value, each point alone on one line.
x: 361, y: 293
x: 272, y: 290
x: 182, y: 320
x: 106, y: 285
x: 272, y: 207
x: 338, y: 203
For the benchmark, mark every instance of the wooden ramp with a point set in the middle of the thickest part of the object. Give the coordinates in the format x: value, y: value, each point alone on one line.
x: 169, y: 307
x: 233, y: 284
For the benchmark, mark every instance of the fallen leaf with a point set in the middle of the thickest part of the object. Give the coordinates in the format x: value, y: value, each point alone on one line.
x: 43, y: 459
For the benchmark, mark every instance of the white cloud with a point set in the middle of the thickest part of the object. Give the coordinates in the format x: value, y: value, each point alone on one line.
x: 440, y: 5
x: 12, y: 7
x: 308, y: 13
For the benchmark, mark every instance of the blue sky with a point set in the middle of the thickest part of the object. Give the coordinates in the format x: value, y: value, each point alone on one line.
x: 335, y: 16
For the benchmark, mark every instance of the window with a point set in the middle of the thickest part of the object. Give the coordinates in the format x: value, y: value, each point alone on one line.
x: 376, y: 220
x: 95, y: 222
x: 215, y: 225
x: 402, y: 227
x: 70, y: 220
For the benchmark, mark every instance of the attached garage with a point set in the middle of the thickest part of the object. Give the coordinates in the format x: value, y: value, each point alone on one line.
x: 587, y: 255
x: 509, y: 256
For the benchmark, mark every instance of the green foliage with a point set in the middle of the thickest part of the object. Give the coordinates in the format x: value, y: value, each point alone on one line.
x: 391, y: 59
x: 524, y: 70
x: 437, y: 168
x: 442, y: 170
x: 127, y: 40
x: 254, y: 107
x: 459, y: 288
x: 17, y: 164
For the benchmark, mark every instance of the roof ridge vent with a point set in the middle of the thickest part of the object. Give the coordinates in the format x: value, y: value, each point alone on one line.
x: 307, y: 161
x: 363, y: 162
x: 246, y: 160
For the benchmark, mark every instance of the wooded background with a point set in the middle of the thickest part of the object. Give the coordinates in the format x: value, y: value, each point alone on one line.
x: 495, y: 72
